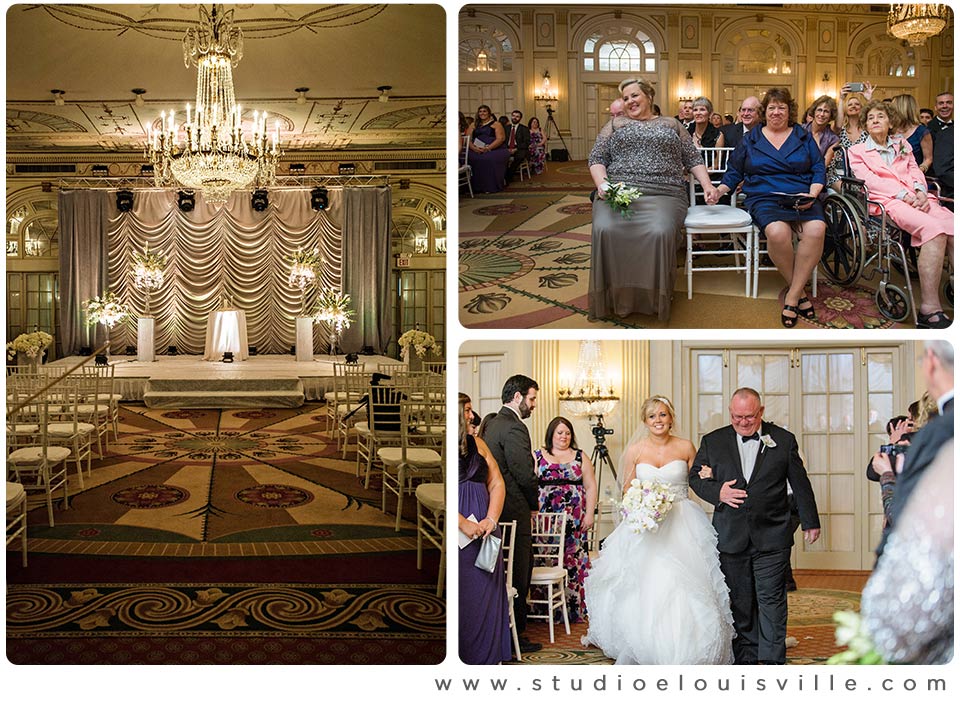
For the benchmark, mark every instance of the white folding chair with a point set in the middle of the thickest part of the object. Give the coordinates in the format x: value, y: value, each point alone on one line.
x: 66, y: 429
x: 17, y: 517
x: 431, y: 516
x: 717, y: 230
x: 508, y: 532
x: 465, y: 172
x: 759, y: 250
x: 549, y: 531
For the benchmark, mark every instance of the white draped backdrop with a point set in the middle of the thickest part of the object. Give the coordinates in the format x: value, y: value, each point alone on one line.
x: 233, y: 253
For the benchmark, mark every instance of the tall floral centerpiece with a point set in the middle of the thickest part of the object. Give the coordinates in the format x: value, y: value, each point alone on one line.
x: 333, y: 308
x: 420, y: 342
x: 107, y: 310
x: 29, y: 346
x: 148, y: 274
x: 303, y: 273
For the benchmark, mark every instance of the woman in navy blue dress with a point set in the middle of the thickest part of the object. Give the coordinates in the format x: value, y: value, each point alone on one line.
x: 776, y: 163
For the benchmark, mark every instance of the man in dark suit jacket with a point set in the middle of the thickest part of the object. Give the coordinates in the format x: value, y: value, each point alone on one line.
x: 941, y: 129
x: 518, y: 143
x: 509, y: 442
x: 743, y: 470
x: 749, y: 118
x: 937, y: 366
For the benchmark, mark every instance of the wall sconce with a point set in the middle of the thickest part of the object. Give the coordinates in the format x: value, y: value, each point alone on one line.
x: 58, y: 96
x: 825, y: 84
x: 545, y: 92
x: 687, y: 91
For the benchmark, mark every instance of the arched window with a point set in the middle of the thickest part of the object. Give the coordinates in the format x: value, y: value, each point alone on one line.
x: 761, y: 51
x: 32, y: 230
x: 886, y: 59
x: 419, y: 226
x: 485, y: 48
x: 619, y: 47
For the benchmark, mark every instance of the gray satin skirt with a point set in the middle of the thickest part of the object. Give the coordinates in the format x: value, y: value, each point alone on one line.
x: 633, y: 264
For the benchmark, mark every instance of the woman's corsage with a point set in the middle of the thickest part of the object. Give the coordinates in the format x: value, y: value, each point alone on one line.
x: 620, y: 196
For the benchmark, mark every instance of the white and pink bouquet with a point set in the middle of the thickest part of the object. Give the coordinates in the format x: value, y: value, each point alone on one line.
x: 645, y: 505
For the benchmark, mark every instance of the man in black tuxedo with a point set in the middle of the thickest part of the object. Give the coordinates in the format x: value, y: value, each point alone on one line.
x: 743, y: 470
x: 941, y: 128
x: 937, y: 366
x: 509, y: 442
x: 749, y: 118
x: 518, y: 143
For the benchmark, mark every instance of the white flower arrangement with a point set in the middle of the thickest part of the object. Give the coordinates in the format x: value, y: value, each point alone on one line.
x: 333, y: 307
x: 767, y: 441
x: 148, y: 270
x: 852, y: 635
x: 303, y: 268
x: 421, y: 341
x: 30, y: 344
x: 106, y: 309
x: 620, y: 196
x: 645, y: 505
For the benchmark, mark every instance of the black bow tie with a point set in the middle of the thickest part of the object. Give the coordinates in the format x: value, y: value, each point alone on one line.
x: 748, y: 438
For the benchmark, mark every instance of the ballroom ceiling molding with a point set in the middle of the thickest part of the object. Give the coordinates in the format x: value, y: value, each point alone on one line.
x: 98, y: 54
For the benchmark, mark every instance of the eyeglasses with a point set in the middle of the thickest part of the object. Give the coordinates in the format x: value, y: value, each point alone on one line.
x: 744, y: 419
x: 748, y: 109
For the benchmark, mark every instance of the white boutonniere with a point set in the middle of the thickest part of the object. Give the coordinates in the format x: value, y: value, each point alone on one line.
x: 767, y: 441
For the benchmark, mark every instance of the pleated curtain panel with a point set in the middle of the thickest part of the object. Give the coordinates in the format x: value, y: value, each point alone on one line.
x: 233, y: 256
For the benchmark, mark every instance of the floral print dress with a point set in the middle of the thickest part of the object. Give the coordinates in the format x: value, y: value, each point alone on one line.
x: 538, y: 152
x: 561, y: 489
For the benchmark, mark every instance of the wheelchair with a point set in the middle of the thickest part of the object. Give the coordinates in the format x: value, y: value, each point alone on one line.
x: 860, y: 244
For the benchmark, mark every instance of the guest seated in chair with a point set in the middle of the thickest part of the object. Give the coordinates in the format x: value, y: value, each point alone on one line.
x: 488, y: 155
x: 782, y: 172
x: 887, y: 166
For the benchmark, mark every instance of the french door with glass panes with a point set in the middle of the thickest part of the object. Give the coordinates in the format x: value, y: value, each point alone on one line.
x: 480, y: 378
x: 836, y: 400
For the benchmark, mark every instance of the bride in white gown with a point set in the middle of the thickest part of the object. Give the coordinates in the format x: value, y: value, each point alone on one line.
x: 659, y: 598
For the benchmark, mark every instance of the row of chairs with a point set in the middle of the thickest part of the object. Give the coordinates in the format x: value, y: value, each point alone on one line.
x: 54, y: 417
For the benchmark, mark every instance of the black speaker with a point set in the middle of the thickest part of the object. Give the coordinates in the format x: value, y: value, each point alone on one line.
x: 185, y: 201
x: 252, y: 350
x: 260, y: 201
x: 172, y: 349
x: 352, y: 358
x: 559, y: 155
x: 85, y: 351
x: 124, y: 201
x: 130, y: 351
x: 319, y: 199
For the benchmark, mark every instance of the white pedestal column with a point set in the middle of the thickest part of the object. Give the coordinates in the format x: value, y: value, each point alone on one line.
x: 146, y: 340
x: 304, y: 339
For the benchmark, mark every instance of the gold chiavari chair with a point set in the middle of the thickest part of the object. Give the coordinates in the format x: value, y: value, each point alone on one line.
x: 431, y: 516
x: 17, y: 517
x: 382, y: 429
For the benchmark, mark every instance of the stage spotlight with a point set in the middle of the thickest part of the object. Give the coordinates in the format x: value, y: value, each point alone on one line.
x: 100, y: 360
x: 172, y: 349
x: 124, y: 201
x: 293, y: 350
x: 319, y: 199
x: 130, y: 351
x: 260, y: 201
x: 227, y: 357
x: 352, y: 358
x: 252, y: 350
x: 347, y: 169
x: 186, y: 200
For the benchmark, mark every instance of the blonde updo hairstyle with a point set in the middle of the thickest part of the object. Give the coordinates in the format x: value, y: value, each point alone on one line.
x: 645, y: 88
x: 651, y: 403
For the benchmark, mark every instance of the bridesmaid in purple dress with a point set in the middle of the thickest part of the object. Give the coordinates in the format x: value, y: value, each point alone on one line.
x: 484, y: 620
x: 487, y: 152
x: 568, y: 483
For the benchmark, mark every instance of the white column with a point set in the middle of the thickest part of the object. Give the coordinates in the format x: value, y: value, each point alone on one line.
x: 304, y: 339
x: 146, y: 340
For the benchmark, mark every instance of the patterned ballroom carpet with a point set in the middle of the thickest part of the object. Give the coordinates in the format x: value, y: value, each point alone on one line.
x: 234, y: 536
x: 524, y: 262
x: 811, y: 610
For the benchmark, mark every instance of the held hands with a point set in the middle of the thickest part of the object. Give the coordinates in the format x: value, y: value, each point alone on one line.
x: 706, y: 472
x: 712, y: 195
x: 730, y: 496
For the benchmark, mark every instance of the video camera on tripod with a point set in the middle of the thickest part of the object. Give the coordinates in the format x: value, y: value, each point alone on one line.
x: 599, y: 431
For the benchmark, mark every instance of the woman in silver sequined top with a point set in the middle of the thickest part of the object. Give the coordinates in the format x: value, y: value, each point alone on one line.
x: 633, y: 259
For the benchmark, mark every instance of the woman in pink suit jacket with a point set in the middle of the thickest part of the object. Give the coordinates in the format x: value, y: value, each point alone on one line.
x: 891, y: 174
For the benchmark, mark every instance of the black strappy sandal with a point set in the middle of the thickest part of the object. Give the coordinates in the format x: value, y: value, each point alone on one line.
x: 808, y: 313
x: 787, y: 321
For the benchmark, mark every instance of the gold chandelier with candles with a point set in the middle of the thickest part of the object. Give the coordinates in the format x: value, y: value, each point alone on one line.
x: 209, y: 152
x: 917, y: 22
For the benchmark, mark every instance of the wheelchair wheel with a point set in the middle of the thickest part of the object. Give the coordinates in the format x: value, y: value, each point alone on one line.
x: 842, y: 260
x: 893, y: 302
x: 948, y: 290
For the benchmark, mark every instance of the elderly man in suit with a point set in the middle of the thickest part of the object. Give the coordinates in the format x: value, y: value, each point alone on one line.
x: 749, y: 118
x: 941, y: 128
x: 509, y: 441
x: 937, y: 366
x: 743, y: 470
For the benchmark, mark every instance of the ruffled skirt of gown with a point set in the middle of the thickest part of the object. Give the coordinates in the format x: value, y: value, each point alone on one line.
x: 660, y: 598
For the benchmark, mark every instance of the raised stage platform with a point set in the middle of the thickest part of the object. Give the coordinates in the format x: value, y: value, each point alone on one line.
x: 262, y: 381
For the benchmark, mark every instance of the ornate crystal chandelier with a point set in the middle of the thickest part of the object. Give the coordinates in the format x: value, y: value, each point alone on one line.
x: 591, y: 393
x: 209, y: 152
x: 917, y: 22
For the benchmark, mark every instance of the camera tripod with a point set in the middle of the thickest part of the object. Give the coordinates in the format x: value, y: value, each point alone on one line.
x: 551, y: 122
x: 600, y: 458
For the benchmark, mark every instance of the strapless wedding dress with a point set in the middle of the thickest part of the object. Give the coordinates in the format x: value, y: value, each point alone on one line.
x: 660, y: 598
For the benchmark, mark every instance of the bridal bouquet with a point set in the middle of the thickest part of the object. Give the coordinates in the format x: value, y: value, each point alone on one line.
x: 620, y: 196
x: 645, y: 504
x: 29, y: 343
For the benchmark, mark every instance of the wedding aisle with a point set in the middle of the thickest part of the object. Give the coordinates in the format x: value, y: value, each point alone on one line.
x: 811, y: 608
